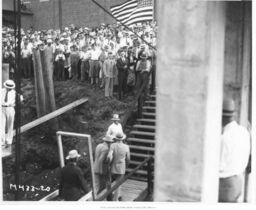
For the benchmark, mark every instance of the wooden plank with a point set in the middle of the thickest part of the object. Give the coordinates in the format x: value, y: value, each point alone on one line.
x: 140, y: 185
x: 6, y: 152
x: 52, y: 115
x: 51, y: 196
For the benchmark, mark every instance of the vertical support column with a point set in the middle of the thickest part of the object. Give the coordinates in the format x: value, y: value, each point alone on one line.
x: 92, y: 168
x: 5, y: 72
x: 245, y: 85
x: 189, y: 100
x: 61, y: 154
x: 246, y: 63
x: 60, y: 14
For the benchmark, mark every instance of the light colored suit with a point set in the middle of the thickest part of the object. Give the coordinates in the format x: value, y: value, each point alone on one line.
x: 109, y: 69
x: 101, y: 153
x: 119, y: 154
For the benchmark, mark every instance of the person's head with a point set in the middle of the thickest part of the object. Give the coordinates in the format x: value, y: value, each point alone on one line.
x: 110, y: 55
x: 49, y: 42
x: 9, y: 84
x: 73, y: 156
x: 115, y: 118
x: 228, y: 111
x: 122, y: 54
x: 108, y: 139
x: 120, y: 137
x: 144, y: 56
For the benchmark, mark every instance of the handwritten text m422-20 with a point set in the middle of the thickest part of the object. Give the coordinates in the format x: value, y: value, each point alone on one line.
x: 27, y: 188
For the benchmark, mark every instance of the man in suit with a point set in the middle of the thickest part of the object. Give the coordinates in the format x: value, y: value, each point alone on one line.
x: 119, y: 156
x: 72, y: 183
x: 109, y: 68
x: 101, y: 165
x: 143, y: 68
x: 122, y: 65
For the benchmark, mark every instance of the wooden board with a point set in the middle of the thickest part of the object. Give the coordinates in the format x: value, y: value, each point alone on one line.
x: 131, y: 189
x: 6, y: 152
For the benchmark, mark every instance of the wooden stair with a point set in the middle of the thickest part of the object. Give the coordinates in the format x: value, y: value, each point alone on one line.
x: 141, y: 139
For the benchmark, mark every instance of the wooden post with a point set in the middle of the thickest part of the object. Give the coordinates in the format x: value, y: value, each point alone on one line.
x: 47, y: 67
x: 149, y: 178
x: 39, y: 84
x: 5, y: 72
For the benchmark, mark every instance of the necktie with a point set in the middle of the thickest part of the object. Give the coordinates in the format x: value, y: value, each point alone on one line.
x: 6, y: 96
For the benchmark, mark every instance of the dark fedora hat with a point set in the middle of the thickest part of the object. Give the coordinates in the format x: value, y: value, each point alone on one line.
x: 228, y: 107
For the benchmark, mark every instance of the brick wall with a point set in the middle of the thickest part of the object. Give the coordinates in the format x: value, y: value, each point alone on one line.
x: 79, y: 12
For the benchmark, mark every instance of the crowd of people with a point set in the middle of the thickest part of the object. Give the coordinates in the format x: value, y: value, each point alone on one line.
x: 105, y: 56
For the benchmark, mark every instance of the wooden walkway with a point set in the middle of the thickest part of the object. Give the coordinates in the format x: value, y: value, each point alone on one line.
x: 132, y: 189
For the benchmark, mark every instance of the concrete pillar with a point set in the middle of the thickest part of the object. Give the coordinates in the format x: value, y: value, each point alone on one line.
x: 5, y: 72
x: 189, y: 100
x: 246, y: 63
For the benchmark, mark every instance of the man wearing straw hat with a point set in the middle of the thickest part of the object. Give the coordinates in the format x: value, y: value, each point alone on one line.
x: 115, y: 127
x: 234, y: 156
x: 101, y: 165
x: 72, y: 183
x: 8, y: 100
x: 119, y: 156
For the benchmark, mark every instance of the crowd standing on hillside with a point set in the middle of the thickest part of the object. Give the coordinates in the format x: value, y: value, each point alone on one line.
x: 105, y: 56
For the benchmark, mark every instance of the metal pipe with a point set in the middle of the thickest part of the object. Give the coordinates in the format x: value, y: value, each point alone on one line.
x: 61, y: 155
x: 17, y: 107
x: 60, y: 14
x: 92, y: 168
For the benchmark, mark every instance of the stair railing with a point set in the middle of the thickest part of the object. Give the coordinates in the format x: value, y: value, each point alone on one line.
x: 148, y: 160
x: 139, y: 99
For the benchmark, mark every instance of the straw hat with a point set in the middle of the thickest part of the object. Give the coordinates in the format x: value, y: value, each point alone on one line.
x: 73, y: 154
x: 9, y: 84
x: 107, y: 139
x: 120, y: 136
x: 115, y: 117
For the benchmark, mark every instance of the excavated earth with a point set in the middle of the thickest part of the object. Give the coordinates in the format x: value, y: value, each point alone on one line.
x: 39, y: 162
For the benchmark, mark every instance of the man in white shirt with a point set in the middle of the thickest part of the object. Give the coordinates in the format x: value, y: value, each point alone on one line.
x: 95, y: 64
x: 235, y: 151
x: 115, y: 127
x: 8, y: 99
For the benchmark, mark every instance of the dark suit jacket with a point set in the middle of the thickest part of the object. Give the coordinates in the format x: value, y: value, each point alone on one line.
x: 120, y: 64
x: 72, y: 183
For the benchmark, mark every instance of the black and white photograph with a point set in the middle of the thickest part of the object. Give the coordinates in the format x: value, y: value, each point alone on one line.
x: 127, y: 102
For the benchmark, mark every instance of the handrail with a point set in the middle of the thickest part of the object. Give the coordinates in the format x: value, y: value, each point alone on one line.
x: 51, y: 115
x: 122, y: 180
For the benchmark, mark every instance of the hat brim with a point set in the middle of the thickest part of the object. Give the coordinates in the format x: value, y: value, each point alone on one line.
x: 68, y: 157
x: 107, y: 140
x: 228, y: 114
x: 120, y: 139
x: 115, y: 119
x: 8, y: 86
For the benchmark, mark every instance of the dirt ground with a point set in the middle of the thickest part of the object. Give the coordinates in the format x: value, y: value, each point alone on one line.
x: 39, y: 164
